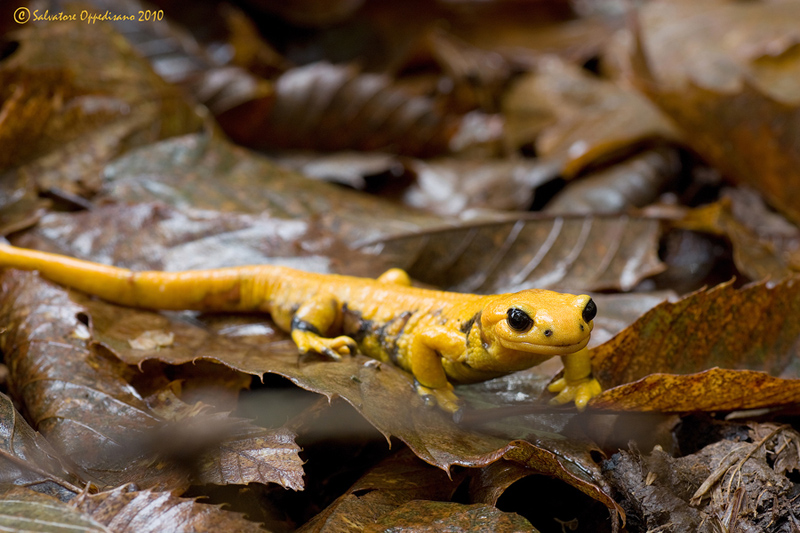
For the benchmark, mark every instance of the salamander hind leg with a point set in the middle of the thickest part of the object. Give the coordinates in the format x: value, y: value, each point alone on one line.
x: 395, y: 276
x: 315, y: 317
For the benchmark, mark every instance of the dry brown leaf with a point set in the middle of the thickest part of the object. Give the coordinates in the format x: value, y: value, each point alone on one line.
x: 635, y: 182
x: 127, y: 510
x: 467, y: 187
x: 328, y: 107
x: 753, y: 328
x: 27, y: 459
x: 743, y: 120
x: 80, y: 397
x: 186, y: 173
x: 94, y: 97
x: 25, y: 511
x: 156, y: 237
x: 222, y: 449
x: 765, y: 245
x: 400, y: 479
x: 574, y: 253
x: 426, y: 516
x: 576, y: 119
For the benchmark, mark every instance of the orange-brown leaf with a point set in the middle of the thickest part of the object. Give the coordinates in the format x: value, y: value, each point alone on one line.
x: 740, y: 330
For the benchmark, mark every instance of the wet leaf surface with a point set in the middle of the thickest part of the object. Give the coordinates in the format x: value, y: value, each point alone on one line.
x: 80, y: 398
x: 153, y: 236
x: 27, y: 459
x: 185, y: 173
x: 581, y: 253
x: 754, y: 327
x: 23, y: 510
x: 127, y: 510
x: 374, y: 389
x: 49, y: 87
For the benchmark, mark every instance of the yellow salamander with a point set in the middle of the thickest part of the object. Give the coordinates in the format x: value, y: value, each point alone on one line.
x: 440, y: 337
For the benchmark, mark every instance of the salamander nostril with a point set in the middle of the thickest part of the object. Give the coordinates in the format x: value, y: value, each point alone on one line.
x: 590, y: 311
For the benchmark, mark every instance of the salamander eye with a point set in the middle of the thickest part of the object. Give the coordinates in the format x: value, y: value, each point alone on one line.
x: 519, y: 320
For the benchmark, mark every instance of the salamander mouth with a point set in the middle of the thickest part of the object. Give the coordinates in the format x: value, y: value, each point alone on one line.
x: 543, y: 349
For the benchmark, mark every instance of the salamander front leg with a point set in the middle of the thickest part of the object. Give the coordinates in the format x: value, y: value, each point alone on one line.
x: 577, y: 383
x: 315, y: 317
x: 425, y: 361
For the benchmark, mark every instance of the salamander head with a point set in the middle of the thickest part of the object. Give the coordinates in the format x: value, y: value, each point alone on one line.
x: 537, y: 322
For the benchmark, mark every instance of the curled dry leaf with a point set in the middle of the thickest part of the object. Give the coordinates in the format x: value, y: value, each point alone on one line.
x: 185, y: 173
x: 126, y: 510
x: 25, y: 511
x: 80, y: 397
x: 666, y: 359
x: 765, y: 245
x: 20, y: 206
x: 84, y: 87
x: 27, y: 459
x: 395, y: 481
x: 222, y: 449
x: 635, y: 182
x: 576, y: 119
x: 329, y: 107
x: 579, y: 253
x: 737, y: 102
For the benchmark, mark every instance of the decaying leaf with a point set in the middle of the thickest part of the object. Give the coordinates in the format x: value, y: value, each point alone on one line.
x: 739, y: 487
x: 464, y: 187
x: 635, y: 182
x: 328, y: 107
x: 152, y: 236
x: 222, y: 449
x: 737, y: 103
x: 666, y: 359
x: 577, y: 119
x: 84, y: 86
x: 23, y: 510
x: 79, y: 397
x: 429, y: 516
x: 395, y: 481
x: 185, y: 172
x: 27, y: 459
x: 765, y: 245
x: 572, y: 252
x: 125, y: 509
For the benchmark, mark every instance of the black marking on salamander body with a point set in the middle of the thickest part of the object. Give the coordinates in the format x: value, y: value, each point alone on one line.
x: 466, y: 326
x: 301, y: 325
